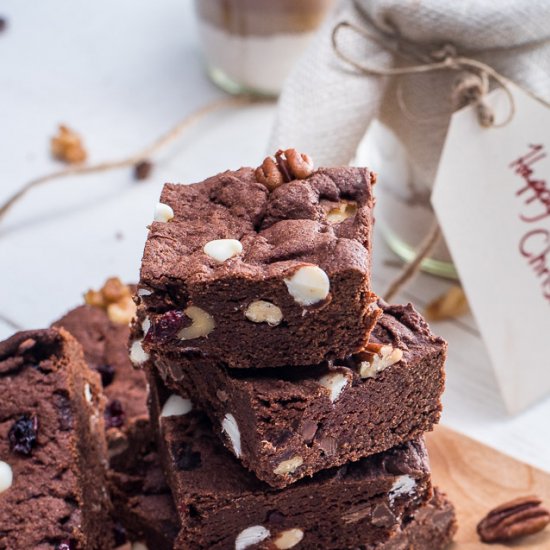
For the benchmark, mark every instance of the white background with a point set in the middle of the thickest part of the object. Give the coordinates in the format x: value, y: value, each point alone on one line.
x: 122, y: 73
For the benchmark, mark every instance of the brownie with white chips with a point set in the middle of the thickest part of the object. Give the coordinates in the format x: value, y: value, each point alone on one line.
x: 257, y: 276
x: 368, y: 504
x: 285, y: 424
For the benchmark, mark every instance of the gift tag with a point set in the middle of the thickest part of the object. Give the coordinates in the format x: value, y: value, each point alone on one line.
x: 492, y: 199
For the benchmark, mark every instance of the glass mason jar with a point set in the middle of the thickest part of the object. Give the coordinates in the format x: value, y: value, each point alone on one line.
x: 250, y: 45
x: 403, y: 209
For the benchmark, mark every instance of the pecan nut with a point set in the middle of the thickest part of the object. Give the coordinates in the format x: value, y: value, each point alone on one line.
x: 511, y: 520
x: 286, y: 166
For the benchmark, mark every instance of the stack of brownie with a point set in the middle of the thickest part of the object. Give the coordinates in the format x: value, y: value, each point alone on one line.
x: 288, y: 402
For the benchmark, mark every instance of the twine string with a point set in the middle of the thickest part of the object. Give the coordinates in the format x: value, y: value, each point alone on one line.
x: 469, y: 89
x: 145, y: 154
x: 443, y: 58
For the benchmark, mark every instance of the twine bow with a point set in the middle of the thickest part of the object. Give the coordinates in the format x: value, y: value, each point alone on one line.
x: 469, y: 89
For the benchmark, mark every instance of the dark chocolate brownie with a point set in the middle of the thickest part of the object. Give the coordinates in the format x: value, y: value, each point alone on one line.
x: 143, y: 503
x: 322, y: 416
x: 222, y: 505
x: 258, y: 278
x: 105, y: 346
x: 431, y: 527
x: 52, y: 446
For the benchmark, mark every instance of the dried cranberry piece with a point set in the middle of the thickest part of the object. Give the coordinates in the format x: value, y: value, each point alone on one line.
x: 22, y: 434
x: 114, y: 414
x: 186, y: 458
x: 166, y: 326
x: 275, y: 517
x: 119, y: 534
x: 142, y: 170
x: 107, y: 373
x: 63, y: 404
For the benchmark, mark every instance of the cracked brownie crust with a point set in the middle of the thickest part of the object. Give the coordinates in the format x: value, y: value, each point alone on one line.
x: 231, y: 244
x: 325, y: 415
x: 52, y: 441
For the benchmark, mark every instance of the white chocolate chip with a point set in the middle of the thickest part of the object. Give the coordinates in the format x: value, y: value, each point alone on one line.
x: 288, y: 539
x: 343, y: 211
x: 231, y: 429
x: 335, y: 382
x: 202, y: 324
x: 308, y: 285
x: 144, y: 292
x: 138, y: 355
x: 403, y: 485
x: 379, y: 357
x: 163, y: 212
x: 261, y: 311
x: 251, y: 536
x: 139, y: 546
x: 176, y: 406
x: 87, y: 392
x: 145, y: 326
x: 6, y: 476
x: 288, y: 466
x: 223, y: 249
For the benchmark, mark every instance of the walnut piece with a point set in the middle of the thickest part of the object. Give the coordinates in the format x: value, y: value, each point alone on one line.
x: 261, y: 311
x: 67, y: 146
x: 377, y: 357
x: 288, y: 466
x: 341, y: 212
x: 115, y: 298
x: 288, y: 539
x: 286, y: 166
x: 452, y: 303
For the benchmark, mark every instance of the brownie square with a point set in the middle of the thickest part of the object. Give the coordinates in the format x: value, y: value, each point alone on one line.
x: 143, y: 509
x: 258, y: 278
x: 52, y: 446
x: 221, y: 505
x: 142, y: 501
x: 285, y: 424
x: 105, y: 346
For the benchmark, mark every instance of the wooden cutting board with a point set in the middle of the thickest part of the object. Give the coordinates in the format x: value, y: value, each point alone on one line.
x: 477, y: 478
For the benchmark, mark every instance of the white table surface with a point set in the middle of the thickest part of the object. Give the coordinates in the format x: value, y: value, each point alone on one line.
x: 121, y: 73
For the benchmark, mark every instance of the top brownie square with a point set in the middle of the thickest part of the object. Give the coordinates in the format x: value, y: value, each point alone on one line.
x: 260, y: 277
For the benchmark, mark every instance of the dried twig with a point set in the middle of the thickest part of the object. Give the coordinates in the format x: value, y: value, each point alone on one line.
x: 144, y: 154
x: 412, y: 268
